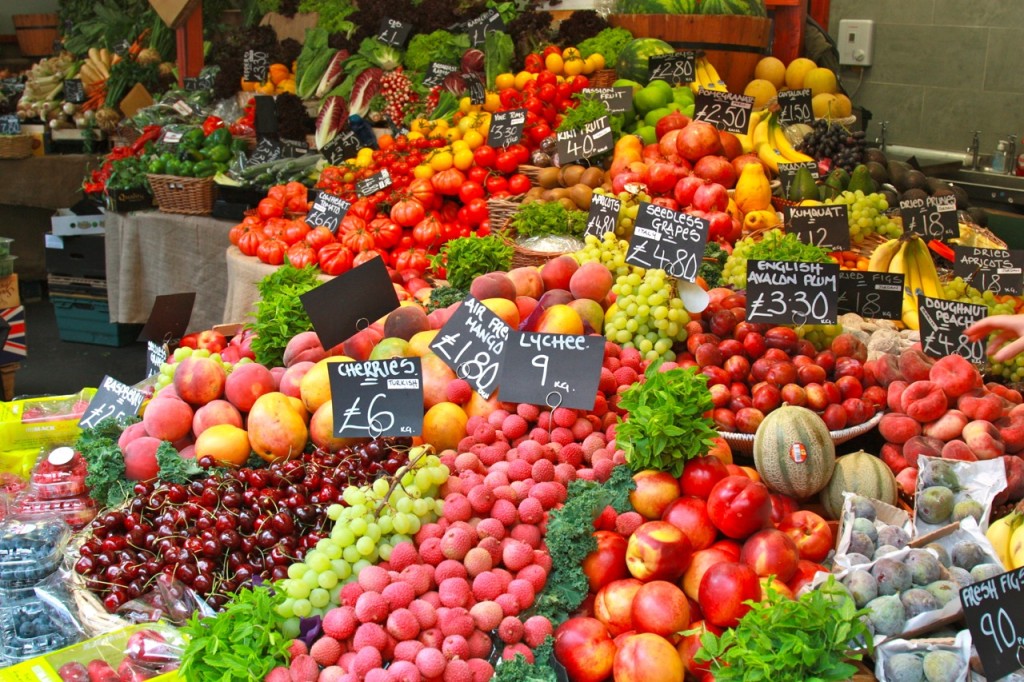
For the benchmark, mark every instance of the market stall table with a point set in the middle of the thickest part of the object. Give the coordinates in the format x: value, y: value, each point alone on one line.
x: 244, y: 273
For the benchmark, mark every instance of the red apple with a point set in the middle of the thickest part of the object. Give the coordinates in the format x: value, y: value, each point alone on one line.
x: 771, y: 552
x: 585, y: 648
x: 724, y: 590
x: 607, y: 563
x: 810, y: 533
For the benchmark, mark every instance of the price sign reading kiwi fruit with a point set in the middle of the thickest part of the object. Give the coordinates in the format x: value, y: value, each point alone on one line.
x: 725, y: 110
x: 593, y: 139
x: 603, y: 216
x: 328, y: 210
x: 557, y: 370
x: 995, y: 270
x: 796, y: 107
x: 995, y: 616
x: 393, y: 32
x: 506, y: 127
x: 942, y: 328
x: 826, y: 226
x: 874, y: 295
x: 677, y: 68
x: 74, y: 91
x: 374, y: 183
x: 437, y: 72
x: 377, y: 398
x: 670, y: 240
x: 931, y: 218
x: 788, y: 292
x: 618, y: 100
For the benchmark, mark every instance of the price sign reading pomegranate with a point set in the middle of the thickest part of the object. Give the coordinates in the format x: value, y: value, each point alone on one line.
x: 725, y: 110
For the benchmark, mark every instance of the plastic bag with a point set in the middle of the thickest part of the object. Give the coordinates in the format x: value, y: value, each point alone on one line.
x: 169, y: 600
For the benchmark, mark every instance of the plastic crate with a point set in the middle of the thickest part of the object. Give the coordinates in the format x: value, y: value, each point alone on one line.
x: 87, y: 321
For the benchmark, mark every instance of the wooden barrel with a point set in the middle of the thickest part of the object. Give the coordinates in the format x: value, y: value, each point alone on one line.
x: 36, y: 33
x: 733, y: 44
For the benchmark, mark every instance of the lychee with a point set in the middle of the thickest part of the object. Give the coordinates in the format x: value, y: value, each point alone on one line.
x: 456, y: 542
x: 515, y: 555
x: 304, y: 669
x: 371, y: 607
x: 403, y: 625
x: 456, y: 508
x: 340, y: 622
x: 477, y: 561
x: 426, y: 614
x: 373, y: 579
x: 535, y: 629
x: 431, y: 662
x: 454, y: 592
x: 455, y: 646
x: 510, y: 630
x: 531, y: 510
x: 486, y: 615
x: 326, y: 651
x: 366, y: 660
x: 486, y: 586
x: 406, y: 650
x: 458, y: 391
x: 398, y: 594
x: 369, y: 634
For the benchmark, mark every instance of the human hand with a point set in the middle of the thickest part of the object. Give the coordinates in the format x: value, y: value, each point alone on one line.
x: 1009, y: 338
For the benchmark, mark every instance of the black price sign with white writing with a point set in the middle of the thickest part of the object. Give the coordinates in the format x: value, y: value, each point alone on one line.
x: 618, y: 100
x: 266, y: 151
x: 204, y: 82
x: 595, y: 138
x: 255, y: 65
x: 377, y: 398
x: 328, y: 210
x: 10, y: 125
x: 994, y: 613
x: 826, y: 226
x: 344, y: 146
x: 669, y: 240
x: 942, y: 328
x: 294, y: 148
x: 931, y: 218
x: 156, y: 355
x: 995, y: 270
x: 122, y: 47
x: 788, y: 292
x: 472, y: 342
x: 874, y: 295
x: 350, y: 302
x: 113, y: 399
x: 677, y: 68
x: 506, y: 127
x: 477, y: 93
x: 795, y: 107
x: 437, y: 72
x: 374, y: 183
x: 393, y: 32
x: 478, y: 28
x: 74, y: 90
x: 603, y: 216
x: 788, y: 171
x: 724, y: 110
x: 557, y: 370
x: 12, y: 85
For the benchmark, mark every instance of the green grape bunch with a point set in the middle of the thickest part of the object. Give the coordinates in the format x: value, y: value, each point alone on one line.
x: 647, y: 315
x: 866, y: 215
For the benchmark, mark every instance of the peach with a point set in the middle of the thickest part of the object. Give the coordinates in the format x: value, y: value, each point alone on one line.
x: 956, y: 375
x: 892, y: 455
x: 493, y: 285
x: 406, y: 321
x: 894, y: 393
x: 898, y: 428
x: 559, y: 319
x: 438, y: 318
x: 924, y: 401
x: 199, y: 380
x: 436, y: 377
x: 246, y: 383
x: 321, y: 430
x: 215, y: 412
x: 592, y: 280
x: 527, y: 281
x: 647, y: 658
x: 983, y: 438
x: 947, y: 427
x: 654, y: 492
x: 907, y: 480
x: 848, y: 345
x: 660, y: 607
x: 168, y: 419
x: 591, y: 312
x: 915, y: 365
x: 957, y: 449
x: 277, y: 430
x: 1004, y: 392
x: 1014, y: 480
x: 657, y: 550
x: 303, y: 347
x: 140, y: 458
x: 980, y: 404
x: 504, y: 308
x: 1011, y: 431
x: 359, y: 345
x: 557, y: 272
x: 701, y: 562
x: 293, y: 378
x: 886, y: 369
x: 137, y: 430
x: 921, y: 446
x: 613, y: 605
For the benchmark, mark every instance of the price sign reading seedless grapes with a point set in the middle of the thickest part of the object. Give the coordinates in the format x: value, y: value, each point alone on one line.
x: 787, y: 292
x: 669, y: 240
x: 826, y: 226
x: 724, y: 110
x: 942, y: 328
x: 676, y: 68
x: 874, y: 295
x: 472, y: 343
x: 931, y: 218
x: 506, y: 127
x: 796, y: 107
x: 593, y: 139
x: 603, y: 216
x: 995, y: 270
x: 377, y: 398
x: 994, y: 613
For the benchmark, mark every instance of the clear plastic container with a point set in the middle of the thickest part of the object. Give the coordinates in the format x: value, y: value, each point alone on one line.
x: 7, y: 265
x: 59, y: 475
x: 29, y: 628
x: 77, y: 512
x: 5, y: 246
x: 30, y: 550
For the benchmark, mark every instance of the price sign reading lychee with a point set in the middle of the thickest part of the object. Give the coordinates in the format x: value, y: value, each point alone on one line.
x: 472, y: 342
x: 478, y: 28
x: 603, y: 216
x: 874, y: 295
x: 931, y: 218
x: 557, y: 370
x: 996, y: 270
x: 826, y: 226
x: 255, y: 65
x: 393, y: 32
x: 374, y: 183
x: 788, y: 171
x: 377, y: 398
x: 788, y: 292
x: 344, y: 146
x: 328, y: 210
x: 74, y: 91
x: 113, y: 400
x: 795, y: 107
x: 506, y: 127
x: 994, y: 613
x: 725, y: 110
x: 10, y: 125
x: 677, y: 68
x: 942, y: 328
x: 669, y: 240
x: 593, y: 139
x: 618, y: 100
x: 437, y: 72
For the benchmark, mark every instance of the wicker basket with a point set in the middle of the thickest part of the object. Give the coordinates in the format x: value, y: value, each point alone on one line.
x: 603, y: 78
x: 190, y: 196
x: 523, y: 257
x: 499, y: 211
x: 15, y: 146
x: 531, y: 172
x: 743, y: 443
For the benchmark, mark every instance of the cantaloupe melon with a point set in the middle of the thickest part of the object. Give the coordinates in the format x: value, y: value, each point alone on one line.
x: 793, y: 451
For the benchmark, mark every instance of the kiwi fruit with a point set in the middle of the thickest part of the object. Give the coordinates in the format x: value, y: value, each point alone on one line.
x: 570, y: 175
x: 557, y: 193
x: 580, y: 195
x: 548, y: 178
x: 567, y: 203
x: 592, y: 177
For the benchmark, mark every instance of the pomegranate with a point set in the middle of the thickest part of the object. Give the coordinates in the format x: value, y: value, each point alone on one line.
x: 698, y: 139
x: 716, y: 169
x: 711, y: 197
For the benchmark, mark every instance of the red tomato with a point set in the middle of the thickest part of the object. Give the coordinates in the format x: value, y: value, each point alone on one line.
x: 546, y: 78
x: 547, y: 93
x: 519, y: 184
x: 484, y: 156
x: 236, y: 233
x: 413, y: 259
x: 521, y: 151
x: 334, y: 258
x: 275, y: 228
x: 407, y: 212
x: 319, y: 236
x: 278, y: 194
x: 534, y: 105
x: 477, y: 173
x: 301, y: 254
x: 739, y: 506
x: 450, y: 230
x: 534, y: 63
x: 564, y: 91
x: 272, y: 251
x: 476, y: 211
x: 268, y: 208
x: 470, y: 190
x: 538, y: 132
x: 497, y: 183
x: 427, y: 232
x: 385, y: 231
x: 507, y: 162
x: 364, y: 256
x: 250, y: 242
x: 448, y: 182
x: 363, y: 208
x: 551, y: 49
x: 423, y: 190
x: 578, y: 82
x: 295, y: 232
x: 352, y: 233
x: 510, y: 98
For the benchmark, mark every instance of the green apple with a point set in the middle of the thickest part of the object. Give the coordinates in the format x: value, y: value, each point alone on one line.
x: 647, y: 134
x: 652, y: 117
x: 651, y: 98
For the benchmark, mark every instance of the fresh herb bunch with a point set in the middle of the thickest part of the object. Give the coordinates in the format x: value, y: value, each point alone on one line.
x: 711, y: 270
x: 810, y: 638
x: 279, y: 312
x: 521, y: 670
x: 466, y: 257
x: 778, y: 246
x: 442, y: 297
x: 243, y: 642
x: 666, y: 425
x: 104, y: 461
x: 173, y: 467
x: 608, y: 42
x: 588, y: 110
x: 538, y: 219
x: 570, y: 538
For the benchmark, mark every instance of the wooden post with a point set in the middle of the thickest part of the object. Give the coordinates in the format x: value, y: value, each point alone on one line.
x: 820, y: 10
x: 788, y: 16
x: 190, y: 45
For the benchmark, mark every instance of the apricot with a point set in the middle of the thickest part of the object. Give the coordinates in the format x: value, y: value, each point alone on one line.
x: 444, y: 425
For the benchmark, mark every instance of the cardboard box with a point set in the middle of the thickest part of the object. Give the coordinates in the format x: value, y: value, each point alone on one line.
x: 76, y: 256
x: 66, y: 224
x: 9, y: 296
x: 174, y: 12
x: 137, y: 98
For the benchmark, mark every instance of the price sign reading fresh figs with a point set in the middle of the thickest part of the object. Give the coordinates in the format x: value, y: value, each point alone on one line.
x: 437, y: 72
x: 826, y: 226
x: 942, y: 328
x: 506, y: 127
x: 672, y: 241
x: 995, y: 270
x: 724, y: 110
x: 374, y: 183
x: 328, y: 210
x: 377, y: 398
x: 788, y: 171
x: 478, y: 28
x: 113, y: 400
x: 603, y: 216
x: 787, y: 292
x: 994, y: 613
x: 558, y: 370
x: 796, y: 107
x: 345, y: 145
x: 74, y: 91
x: 931, y: 218
x: 255, y: 65
x: 393, y: 32
x: 874, y: 295
x: 677, y: 68
x: 618, y: 100
x: 593, y: 139
x: 472, y: 342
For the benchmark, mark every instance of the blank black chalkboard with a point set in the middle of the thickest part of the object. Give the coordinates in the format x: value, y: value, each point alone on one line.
x: 995, y: 270
x: 557, y: 370
x: 472, y: 343
x: 994, y: 612
x: 788, y: 292
x: 942, y: 328
x: 169, y: 317
x: 377, y: 398
x: 113, y: 399
x: 876, y: 295
x: 673, y: 241
x: 350, y: 302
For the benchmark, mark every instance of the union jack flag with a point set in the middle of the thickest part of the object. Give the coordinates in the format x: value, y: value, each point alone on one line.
x: 14, y: 349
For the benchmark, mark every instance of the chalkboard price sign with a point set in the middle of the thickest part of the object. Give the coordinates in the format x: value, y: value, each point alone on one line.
x: 618, y: 100
x: 787, y: 292
x: 931, y: 218
x: 506, y: 127
x: 113, y: 399
x: 826, y: 226
x: 350, y: 302
x: 796, y: 107
x: 874, y: 295
x: 437, y: 72
x: 677, y: 68
x: 603, y: 216
x: 10, y: 125
x: 156, y: 355
x: 672, y: 241
x: 472, y: 343
x: 725, y: 110
x: 477, y: 93
x: 121, y: 47
x: 995, y: 270
x: 558, y: 370
x: 74, y: 90
x: 255, y: 65
x: 942, y: 328
x: 374, y: 183
x: 478, y: 28
x: 593, y: 139
x: 344, y: 146
x: 377, y: 398
x: 994, y: 613
x: 328, y: 210
x: 12, y: 85
x: 393, y: 32
x: 788, y: 171
x: 267, y: 150
x: 204, y: 82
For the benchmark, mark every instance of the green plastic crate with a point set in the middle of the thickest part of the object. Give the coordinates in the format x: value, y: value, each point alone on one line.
x: 86, y: 321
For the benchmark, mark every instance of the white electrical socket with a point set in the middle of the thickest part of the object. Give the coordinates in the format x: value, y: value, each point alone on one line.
x: 856, y: 42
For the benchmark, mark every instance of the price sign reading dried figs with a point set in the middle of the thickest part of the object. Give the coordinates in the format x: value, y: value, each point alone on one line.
x: 328, y: 210
x: 942, y: 328
x: 374, y: 183
x: 788, y: 292
x: 472, y: 343
x: 593, y: 139
x: 618, y: 100
x: 113, y: 400
x: 672, y: 241
x: 931, y: 218
x: 678, y: 68
x: 826, y: 226
x: 558, y: 370
x: 506, y: 127
x: 377, y: 398
x: 603, y: 216
x: 796, y: 107
x: 255, y: 65
x: 788, y: 171
x: 874, y: 295
x: 437, y: 72
x: 478, y: 28
x: 393, y: 32
x: 995, y: 270
x: 724, y: 110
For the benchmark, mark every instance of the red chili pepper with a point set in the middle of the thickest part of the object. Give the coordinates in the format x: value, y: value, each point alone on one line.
x: 212, y: 123
x: 149, y: 134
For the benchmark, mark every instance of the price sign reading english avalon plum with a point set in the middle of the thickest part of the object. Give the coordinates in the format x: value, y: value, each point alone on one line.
x: 377, y: 398
x: 796, y: 107
x: 995, y: 270
x: 787, y: 292
x: 603, y: 216
x: 506, y: 127
x: 994, y: 613
x: 472, y: 343
x: 595, y: 138
x: 114, y: 400
x: 942, y: 328
x: 558, y: 370
x: 677, y: 68
x: 393, y: 32
x: 874, y: 295
x: 931, y: 218
x: 672, y: 241
x: 826, y: 226
x: 328, y: 210
x: 724, y: 110
x: 618, y: 100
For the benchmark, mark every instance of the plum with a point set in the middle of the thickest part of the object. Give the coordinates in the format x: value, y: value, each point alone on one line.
x: 961, y: 577
x: 904, y: 668
x: 943, y: 666
x: 862, y: 508
x: 892, y: 576
x: 862, y: 586
x: 887, y: 615
x: 867, y: 527
x: 940, y: 553
x: 935, y: 504
x: 967, y: 507
x: 917, y: 601
x: 924, y: 567
x: 938, y: 472
x: 985, y: 571
x: 893, y: 535
x: 967, y: 555
x: 860, y: 543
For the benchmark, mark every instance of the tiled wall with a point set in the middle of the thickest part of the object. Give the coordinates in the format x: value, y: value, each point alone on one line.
x: 941, y: 69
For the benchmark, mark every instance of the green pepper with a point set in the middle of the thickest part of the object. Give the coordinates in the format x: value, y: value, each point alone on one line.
x: 192, y: 139
x: 173, y: 167
x: 220, y: 136
x: 187, y: 169
x: 219, y: 154
x: 239, y: 145
x: 157, y: 166
x: 204, y: 169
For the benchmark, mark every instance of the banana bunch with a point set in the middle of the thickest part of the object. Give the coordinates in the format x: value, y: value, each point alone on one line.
x: 771, y: 145
x: 1007, y: 538
x: 909, y: 256
x: 706, y: 76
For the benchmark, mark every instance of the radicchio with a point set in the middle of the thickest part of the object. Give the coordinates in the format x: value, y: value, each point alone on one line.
x: 331, y: 120
x: 332, y: 76
x: 365, y: 87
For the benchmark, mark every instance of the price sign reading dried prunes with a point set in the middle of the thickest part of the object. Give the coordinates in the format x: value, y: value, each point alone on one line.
x: 942, y: 328
x: 678, y: 68
x: 506, y: 127
x: 724, y: 110
x: 874, y: 295
x: 255, y: 65
x: 113, y: 400
x: 437, y: 72
x: 931, y: 218
x: 374, y: 183
x: 826, y: 226
x: 74, y: 91
x: 603, y: 216
x: 795, y: 107
x: 328, y: 210
x: 472, y: 343
x: 618, y: 100
x: 672, y: 241
x: 788, y: 292
x: 996, y: 270
x: 558, y: 370
x: 788, y: 171
x: 393, y: 32
x: 593, y: 139
x: 478, y: 28
x: 377, y: 398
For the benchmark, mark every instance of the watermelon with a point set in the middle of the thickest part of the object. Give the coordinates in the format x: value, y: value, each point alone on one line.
x: 793, y: 451
x: 862, y: 473
x: 750, y: 8
x: 634, y: 58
